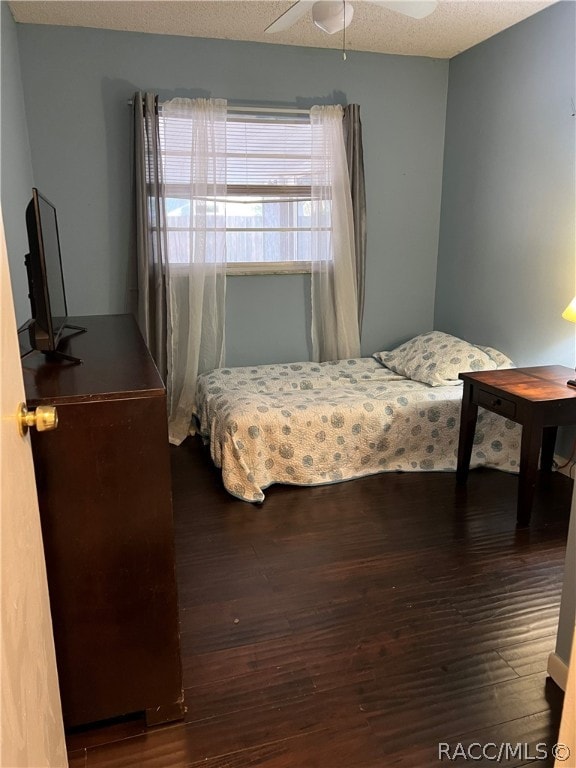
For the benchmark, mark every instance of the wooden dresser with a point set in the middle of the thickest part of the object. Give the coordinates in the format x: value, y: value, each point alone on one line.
x: 104, y: 489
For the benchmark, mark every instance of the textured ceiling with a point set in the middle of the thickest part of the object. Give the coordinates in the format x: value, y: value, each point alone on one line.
x: 455, y: 26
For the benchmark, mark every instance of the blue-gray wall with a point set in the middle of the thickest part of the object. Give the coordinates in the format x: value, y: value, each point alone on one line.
x: 77, y: 83
x: 16, y: 179
x: 506, y: 260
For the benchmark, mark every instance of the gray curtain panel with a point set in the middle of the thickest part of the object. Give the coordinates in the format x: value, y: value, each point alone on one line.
x: 355, y: 158
x: 151, y: 250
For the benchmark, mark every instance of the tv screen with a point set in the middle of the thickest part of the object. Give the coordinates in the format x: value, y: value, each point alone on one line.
x: 45, y: 278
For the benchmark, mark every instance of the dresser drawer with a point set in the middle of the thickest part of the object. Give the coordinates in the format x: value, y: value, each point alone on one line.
x: 496, y: 403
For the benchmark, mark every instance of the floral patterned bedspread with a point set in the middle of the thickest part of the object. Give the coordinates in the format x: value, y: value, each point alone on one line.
x: 315, y: 423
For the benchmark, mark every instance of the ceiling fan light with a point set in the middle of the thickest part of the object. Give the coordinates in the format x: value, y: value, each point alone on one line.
x: 329, y: 16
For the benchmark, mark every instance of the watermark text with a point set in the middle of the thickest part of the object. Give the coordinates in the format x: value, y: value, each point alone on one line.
x: 499, y: 752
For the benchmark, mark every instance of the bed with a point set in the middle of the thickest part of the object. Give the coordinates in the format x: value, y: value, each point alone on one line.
x: 315, y: 423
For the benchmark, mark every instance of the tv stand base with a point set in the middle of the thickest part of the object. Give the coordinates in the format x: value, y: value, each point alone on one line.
x: 77, y: 328
x: 55, y: 354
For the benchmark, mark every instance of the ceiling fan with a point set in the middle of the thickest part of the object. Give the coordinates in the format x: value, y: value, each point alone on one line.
x: 333, y: 16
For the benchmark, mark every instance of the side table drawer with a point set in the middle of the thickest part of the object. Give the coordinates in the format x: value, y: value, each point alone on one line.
x: 496, y: 403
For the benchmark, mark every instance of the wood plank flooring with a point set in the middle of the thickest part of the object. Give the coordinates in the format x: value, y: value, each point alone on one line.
x: 355, y: 625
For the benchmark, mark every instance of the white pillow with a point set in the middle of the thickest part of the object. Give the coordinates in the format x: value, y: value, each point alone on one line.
x: 501, y: 360
x: 437, y: 358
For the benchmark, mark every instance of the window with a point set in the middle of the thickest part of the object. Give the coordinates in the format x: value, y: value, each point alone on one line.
x: 264, y: 209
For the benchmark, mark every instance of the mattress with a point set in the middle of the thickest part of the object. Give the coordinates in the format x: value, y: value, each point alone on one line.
x: 316, y: 423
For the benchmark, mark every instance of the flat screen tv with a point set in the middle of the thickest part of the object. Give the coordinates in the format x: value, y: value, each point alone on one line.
x: 46, y: 281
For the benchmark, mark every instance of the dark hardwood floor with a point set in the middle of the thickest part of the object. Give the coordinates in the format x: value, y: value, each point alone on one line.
x: 356, y: 625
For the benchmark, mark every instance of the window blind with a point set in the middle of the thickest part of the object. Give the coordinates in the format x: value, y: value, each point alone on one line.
x: 259, y: 187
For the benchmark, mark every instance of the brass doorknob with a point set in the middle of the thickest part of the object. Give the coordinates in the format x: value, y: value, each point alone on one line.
x: 44, y: 418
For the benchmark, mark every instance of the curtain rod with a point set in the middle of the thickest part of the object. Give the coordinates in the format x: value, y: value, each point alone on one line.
x: 268, y: 110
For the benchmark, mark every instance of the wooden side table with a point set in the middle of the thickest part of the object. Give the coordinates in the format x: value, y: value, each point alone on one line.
x: 537, y: 398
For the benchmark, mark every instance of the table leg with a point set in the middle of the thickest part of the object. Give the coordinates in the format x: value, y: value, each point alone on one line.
x: 529, y: 451
x: 467, y: 429
x: 548, y: 444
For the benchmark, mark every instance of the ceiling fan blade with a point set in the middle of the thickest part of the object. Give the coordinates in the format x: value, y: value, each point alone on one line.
x: 291, y: 16
x: 416, y: 9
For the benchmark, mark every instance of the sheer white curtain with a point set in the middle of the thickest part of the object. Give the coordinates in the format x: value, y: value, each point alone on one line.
x: 335, y: 331
x: 193, y: 138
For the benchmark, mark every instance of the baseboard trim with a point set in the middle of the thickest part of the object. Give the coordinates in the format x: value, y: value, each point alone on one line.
x: 558, y: 670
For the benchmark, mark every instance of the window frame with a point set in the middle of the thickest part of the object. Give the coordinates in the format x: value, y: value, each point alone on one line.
x: 303, y: 192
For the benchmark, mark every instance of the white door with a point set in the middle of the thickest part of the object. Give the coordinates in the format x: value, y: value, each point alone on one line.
x: 566, y: 748
x: 31, y: 729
